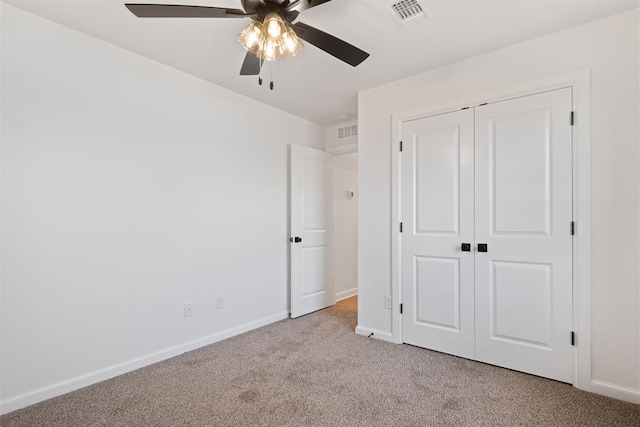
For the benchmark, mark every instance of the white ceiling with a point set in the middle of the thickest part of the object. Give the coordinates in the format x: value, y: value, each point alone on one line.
x: 314, y: 85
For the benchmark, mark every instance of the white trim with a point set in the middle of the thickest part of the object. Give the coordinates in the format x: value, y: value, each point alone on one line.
x: 580, y: 82
x: 81, y: 381
x: 1, y: 187
x: 343, y: 149
x: 615, y: 391
x: 566, y: 80
x: 582, y: 239
x: 375, y: 333
x: 346, y: 294
x: 638, y: 400
x: 639, y: 236
x: 396, y: 215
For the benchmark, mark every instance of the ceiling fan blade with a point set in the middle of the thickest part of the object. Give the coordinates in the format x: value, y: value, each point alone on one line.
x: 331, y: 44
x: 301, y: 5
x: 251, y: 65
x: 314, y: 3
x: 182, y: 11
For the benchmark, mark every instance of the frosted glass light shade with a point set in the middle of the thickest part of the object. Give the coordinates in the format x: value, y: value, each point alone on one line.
x: 292, y: 44
x: 274, y: 25
x: 250, y: 38
x: 270, y: 40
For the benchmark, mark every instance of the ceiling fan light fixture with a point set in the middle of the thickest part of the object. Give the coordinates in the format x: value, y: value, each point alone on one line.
x: 274, y: 24
x: 271, y: 51
x: 271, y: 34
x: 271, y: 39
x: 250, y: 38
x: 292, y: 43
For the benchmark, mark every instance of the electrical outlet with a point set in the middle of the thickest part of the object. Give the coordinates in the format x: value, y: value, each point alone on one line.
x: 188, y: 309
x: 387, y: 302
x: 219, y: 302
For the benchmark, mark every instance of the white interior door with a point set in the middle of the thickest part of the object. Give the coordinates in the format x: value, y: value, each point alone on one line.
x: 437, y: 210
x: 523, y: 204
x: 311, y: 284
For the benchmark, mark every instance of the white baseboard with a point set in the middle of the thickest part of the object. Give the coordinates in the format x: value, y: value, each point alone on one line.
x: 81, y: 381
x: 375, y: 333
x: 613, y: 390
x: 346, y: 294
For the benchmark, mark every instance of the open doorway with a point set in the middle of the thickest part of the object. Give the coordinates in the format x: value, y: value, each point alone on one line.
x: 323, y: 229
x: 345, y: 229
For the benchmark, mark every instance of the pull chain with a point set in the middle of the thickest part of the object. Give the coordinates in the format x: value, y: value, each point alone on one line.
x: 261, y: 62
x: 271, y: 69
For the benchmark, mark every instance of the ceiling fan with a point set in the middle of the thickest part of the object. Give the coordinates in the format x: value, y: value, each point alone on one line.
x: 278, y: 17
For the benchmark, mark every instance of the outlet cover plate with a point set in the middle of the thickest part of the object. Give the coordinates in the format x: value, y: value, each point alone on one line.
x: 387, y: 302
x: 188, y: 309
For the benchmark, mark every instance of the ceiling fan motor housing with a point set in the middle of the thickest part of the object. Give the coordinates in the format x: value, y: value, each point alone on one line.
x: 288, y: 10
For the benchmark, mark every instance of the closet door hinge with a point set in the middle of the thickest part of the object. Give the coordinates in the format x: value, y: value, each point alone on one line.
x: 573, y: 228
x: 573, y: 118
x: 401, y: 308
x: 401, y: 146
x: 401, y: 227
x: 573, y: 338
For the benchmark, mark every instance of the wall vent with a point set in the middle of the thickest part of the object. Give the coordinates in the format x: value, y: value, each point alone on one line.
x: 408, y: 12
x: 345, y: 132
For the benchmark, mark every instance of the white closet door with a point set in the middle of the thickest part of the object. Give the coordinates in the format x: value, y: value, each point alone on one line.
x: 437, y: 210
x: 523, y: 209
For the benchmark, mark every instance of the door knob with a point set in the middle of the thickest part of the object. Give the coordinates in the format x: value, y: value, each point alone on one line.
x: 466, y: 247
x: 295, y: 239
x: 482, y: 247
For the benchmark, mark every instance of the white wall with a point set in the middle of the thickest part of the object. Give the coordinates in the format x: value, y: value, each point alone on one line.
x: 345, y: 231
x: 128, y: 189
x: 609, y: 48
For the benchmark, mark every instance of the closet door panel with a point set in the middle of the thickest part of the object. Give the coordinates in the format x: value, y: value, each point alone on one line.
x: 437, y: 212
x: 523, y: 214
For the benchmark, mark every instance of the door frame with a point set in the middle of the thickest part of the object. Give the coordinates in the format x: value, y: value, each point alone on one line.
x: 580, y: 82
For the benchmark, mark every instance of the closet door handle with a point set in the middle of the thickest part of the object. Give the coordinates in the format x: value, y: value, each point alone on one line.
x: 465, y: 247
x: 482, y: 247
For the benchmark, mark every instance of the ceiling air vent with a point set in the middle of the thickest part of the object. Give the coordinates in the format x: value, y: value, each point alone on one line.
x: 408, y: 12
x: 347, y: 132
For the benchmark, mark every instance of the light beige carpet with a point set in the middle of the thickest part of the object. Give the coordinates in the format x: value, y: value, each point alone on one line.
x: 314, y: 371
